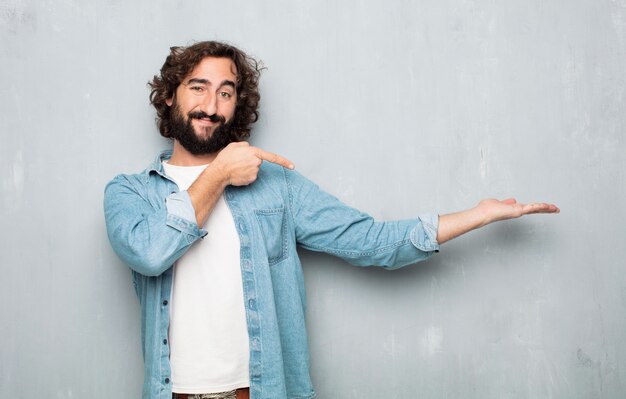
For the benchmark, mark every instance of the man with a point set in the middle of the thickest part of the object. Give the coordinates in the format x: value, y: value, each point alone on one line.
x: 210, y: 232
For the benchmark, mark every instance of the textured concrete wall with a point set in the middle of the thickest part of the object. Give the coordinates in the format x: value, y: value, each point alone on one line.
x: 397, y: 108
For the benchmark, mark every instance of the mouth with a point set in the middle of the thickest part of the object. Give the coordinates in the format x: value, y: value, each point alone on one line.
x: 205, y: 121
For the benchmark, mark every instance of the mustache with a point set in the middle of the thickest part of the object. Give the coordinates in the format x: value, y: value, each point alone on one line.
x: 203, y: 115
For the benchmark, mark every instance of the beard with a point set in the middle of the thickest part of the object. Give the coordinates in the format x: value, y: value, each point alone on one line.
x: 183, y: 131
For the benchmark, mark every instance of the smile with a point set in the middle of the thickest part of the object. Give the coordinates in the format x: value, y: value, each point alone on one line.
x: 206, y: 121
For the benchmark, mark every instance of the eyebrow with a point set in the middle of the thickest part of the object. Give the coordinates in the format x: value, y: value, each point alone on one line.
x: 207, y: 82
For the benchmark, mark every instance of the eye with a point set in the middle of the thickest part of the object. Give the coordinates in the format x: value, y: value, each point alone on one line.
x: 225, y: 95
x: 196, y: 89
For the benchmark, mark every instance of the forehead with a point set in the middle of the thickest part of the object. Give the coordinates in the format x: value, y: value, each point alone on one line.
x: 214, y: 70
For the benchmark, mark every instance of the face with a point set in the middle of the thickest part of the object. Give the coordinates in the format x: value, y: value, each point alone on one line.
x: 203, y: 106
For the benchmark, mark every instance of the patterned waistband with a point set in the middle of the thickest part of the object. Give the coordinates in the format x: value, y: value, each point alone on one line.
x: 220, y: 395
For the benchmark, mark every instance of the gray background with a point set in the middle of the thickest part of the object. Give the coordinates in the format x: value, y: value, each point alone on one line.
x: 397, y: 108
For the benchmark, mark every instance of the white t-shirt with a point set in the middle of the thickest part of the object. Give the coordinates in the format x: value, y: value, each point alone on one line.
x: 209, y: 349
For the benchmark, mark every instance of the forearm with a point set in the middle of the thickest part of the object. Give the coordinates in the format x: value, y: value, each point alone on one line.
x: 206, y: 190
x: 455, y: 224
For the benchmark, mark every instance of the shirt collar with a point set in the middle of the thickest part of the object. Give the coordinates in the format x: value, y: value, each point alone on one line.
x: 157, y: 164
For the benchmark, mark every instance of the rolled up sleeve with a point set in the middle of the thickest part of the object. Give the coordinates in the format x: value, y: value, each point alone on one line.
x: 424, y: 235
x: 181, y: 215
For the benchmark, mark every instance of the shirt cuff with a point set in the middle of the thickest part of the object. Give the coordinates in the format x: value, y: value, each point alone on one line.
x: 424, y: 235
x: 181, y: 215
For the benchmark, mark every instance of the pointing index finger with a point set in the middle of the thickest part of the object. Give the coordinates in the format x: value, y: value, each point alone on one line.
x: 274, y: 158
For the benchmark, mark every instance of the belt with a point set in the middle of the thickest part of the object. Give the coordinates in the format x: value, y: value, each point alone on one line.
x: 242, y: 393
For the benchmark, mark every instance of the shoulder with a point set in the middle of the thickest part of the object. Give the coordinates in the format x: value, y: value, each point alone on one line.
x: 142, y: 178
x: 133, y: 180
x: 272, y: 174
x: 271, y: 171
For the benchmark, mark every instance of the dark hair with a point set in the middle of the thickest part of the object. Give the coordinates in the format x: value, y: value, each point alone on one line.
x: 182, y: 60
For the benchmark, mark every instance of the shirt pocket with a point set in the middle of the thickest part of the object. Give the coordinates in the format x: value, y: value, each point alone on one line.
x: 274, y: 231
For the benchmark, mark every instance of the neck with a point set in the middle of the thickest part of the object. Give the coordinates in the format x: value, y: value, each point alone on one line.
x: 182, y: 157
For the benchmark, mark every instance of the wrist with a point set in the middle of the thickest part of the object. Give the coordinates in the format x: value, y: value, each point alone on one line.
x: 480, y: 216
x: 220, y: 173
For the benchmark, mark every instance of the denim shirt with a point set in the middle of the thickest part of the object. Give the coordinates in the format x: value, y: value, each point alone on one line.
x: 150, y: 224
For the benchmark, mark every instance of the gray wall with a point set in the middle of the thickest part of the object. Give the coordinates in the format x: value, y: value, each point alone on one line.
x: 397, y: 108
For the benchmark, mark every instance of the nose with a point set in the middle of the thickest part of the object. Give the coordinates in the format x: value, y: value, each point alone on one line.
x: 209, y: 104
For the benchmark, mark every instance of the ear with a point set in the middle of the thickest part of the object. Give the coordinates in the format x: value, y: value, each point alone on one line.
x: 170, y: 101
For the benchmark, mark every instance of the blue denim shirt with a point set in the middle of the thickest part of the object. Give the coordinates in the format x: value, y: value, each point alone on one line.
x: 151, y: 224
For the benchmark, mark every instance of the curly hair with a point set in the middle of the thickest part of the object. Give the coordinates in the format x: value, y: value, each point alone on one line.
x: 182, y: 60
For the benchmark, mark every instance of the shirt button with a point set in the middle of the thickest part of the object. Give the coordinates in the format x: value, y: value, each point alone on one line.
x: 165, y: 302
x: 167, y: 380
x: 251, y: 303
x: 165, y: 342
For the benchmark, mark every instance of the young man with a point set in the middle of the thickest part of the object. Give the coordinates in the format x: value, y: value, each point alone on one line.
x: 210, y: 233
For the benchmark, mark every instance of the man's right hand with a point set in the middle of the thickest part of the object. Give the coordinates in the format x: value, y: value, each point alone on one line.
x: 240, y: 162
x: 238, y: 165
